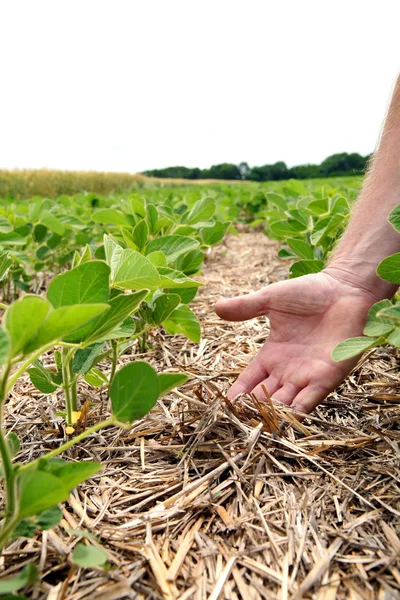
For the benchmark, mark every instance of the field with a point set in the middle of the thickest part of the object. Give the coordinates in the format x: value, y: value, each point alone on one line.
x: 197, y: 497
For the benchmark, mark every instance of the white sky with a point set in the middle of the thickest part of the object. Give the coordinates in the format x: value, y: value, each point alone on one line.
x: 132, y: 85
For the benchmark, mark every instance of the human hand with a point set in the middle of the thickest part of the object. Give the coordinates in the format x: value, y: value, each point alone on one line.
x: 308, y: 316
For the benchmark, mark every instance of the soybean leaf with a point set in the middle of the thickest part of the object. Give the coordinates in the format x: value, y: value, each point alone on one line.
x: 51, y: 222
x: 134, y: 391
x: 71, y: 473
x: 158, y: 258
x: 140, y: 234
x: 301, y: 248
x: 89, y: 556
x: 284, y: 253
x: 110, y: 216
x: 389, y: 313
x: 111, y: 247
x: 128, y: 239
x: 4, y: 346
x: 389, y: 268
x: 163, y: 306
x: 13, y: 443
x: 137, y: 205
x: 85, y: 358
x: 152, y: 217
x: 394, y: 338
x: 214, y: 234
x: 185, y: 294
x: 5, y: 225
x: 26, y: 576
x: 95, y: 378
x: 190, y: 263
x: 63, y: 321
x: 25, y: 528
x: 378, y: 325
x: 41, y: 378
x: 277, y: 199
x: 172, y: 246
x: 304, y: 267
x: 5, y: 264
x: 49, y: 518
x: 354, y: 346
x: 169, y: 381
x: 183, y: 321
x: 170, y: 278
x: 40, y: 491
x: 287, y: 228
x: 202, y: 210
x: 23, y: 319
x: 87, y: 284
x: 120, y: 307
x: 394, y: 218
x: 133, y: 271
x: 39, y: 232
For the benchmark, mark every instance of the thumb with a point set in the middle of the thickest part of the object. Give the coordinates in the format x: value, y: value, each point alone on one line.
x: 244, y: 307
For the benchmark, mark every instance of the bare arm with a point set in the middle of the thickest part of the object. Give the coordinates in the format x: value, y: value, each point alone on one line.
x: 369, y: 236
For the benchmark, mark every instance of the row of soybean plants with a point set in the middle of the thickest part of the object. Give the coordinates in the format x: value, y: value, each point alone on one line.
x: 308, y: 225
x: 106, y: 275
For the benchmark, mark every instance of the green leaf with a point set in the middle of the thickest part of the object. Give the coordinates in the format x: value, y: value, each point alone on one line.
x: 89, y: 556
x: 152, y: 217
x: 133, y: 271
x: 287, y: 228
x: 277, y: 199
x: 71, y: 474
x: 158, y: 258
x: 85, y: 358
x: 25, y: 528
x: 394, y: 218
x: 300, y: 248
x: 169, y: 381
x: 304, y: 267
x: 285, y: 254
x: 134, y: 391
x: 389, y: 268
x: 13, y: 443
x: 202, y: 210
x: 83, y: 534
x: 87, y: 284
x: 96, y: 378
x: 163, y: 306
x: 110, y: 216
x: 51, y: 222
x: 375, y: 325
x: 214, y: 234
x: 190, y: 263
x: 41, y: 379
x: 5, y: 225
x: 170, y: 278
x: 63, y: 321
x: 120, y: 307
x: 5, y: 264
x: 26, y: 576
x: 49, y: 518
x: 185, y: 294
x: 327, y: 228
x: 394, y: 338
x: 140, y: 234
x: 4, y: 346
x: 389, y: 314
x: 40, y: 491
x: 12, y: 239
x: 354, y: 346
x: 23, y: 319
x: 172, y: 246
x: 183, y: 321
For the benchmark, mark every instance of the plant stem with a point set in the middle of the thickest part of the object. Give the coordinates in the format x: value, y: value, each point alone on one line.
x: 68, y: 444
x: 114, y: 348
x: 73, y: 384
x: 9, y: 471
x: 66, y: 384
x: 26, y: 364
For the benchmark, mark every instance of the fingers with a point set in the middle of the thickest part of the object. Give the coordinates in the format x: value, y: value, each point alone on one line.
x: 251, y: 376
x: 243, y: 308
x: 306, y: 400
x: 271, y: 384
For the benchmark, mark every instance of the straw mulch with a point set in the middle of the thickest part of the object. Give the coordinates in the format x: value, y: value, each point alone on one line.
x: 204, y: 500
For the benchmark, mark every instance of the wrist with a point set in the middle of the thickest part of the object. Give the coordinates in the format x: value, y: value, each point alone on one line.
x: 361, y: 275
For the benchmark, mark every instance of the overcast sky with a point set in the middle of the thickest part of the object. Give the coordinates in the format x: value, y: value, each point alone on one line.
x: 138, y: 84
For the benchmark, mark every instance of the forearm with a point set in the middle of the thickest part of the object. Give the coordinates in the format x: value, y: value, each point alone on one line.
x: 369, y: 237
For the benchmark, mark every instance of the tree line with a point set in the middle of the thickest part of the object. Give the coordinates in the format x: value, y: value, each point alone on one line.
x: 334, y: 166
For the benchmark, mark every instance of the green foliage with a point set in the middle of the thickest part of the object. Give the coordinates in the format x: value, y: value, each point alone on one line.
x: 26, y: 576
x: 134, y: 391
x: 89, y: 556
